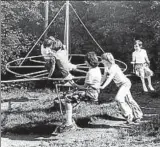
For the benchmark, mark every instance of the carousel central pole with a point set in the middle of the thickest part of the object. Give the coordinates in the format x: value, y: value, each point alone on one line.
x: 66, y: 31
x: 46, y: 6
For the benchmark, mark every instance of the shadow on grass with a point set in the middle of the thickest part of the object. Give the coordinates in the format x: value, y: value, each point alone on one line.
x: 89, y: 122
x: 35, y: 136
x: 54, y: 106
x: 41, y: 129
x: 155, y: 94
x: 107, y: 117
x: 30, y: 137
x: 46, y: 128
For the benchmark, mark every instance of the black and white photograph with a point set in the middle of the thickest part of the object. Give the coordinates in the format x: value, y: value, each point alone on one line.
x: 80, y: 73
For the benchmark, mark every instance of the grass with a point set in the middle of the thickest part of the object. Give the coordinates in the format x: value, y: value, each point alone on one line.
x: 43, y: 111
x: 34, y: 111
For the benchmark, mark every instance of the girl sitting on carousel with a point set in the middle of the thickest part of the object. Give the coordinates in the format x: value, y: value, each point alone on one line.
x: 49, y: 56
x: 141, y: 64
x: 56, y: 57
x: 128, y: 106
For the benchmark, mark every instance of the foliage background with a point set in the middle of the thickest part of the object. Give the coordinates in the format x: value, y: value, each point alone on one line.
x: 114, y: 24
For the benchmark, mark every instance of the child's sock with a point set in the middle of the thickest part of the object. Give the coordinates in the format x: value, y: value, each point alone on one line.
x: 151, y: 88
x: 69, y: 118
x: 145, y: 89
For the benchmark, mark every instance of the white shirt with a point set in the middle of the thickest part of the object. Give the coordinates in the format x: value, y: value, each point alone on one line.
x: 93, y: 77
x: 45, y: 52
x: 62, y: 56
x: 119, y: 77
x: 140, y: 56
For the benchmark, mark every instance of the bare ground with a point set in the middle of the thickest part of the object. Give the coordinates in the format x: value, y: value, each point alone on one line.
x: 28, y: 121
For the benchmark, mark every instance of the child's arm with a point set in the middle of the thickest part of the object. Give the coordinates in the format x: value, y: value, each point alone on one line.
x: 133, y: 62
x: 88, y: 80
x: 52, y: 68
x: 107, y: 81
x: 77, y: 86
x: 133, y: 59
x: 80, y: 86
x: 104, y: 77
x: 64, y: 46
x: 146, y: 58
x: 53, y: 61
x: 112, y: 72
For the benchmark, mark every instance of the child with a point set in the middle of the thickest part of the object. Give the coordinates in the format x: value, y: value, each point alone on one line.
x: 141, y: 63
x: 129, y: 108
x: 62, y: 56
x: 48, y: 56
x: 56, y: 57
x: 90, y: 90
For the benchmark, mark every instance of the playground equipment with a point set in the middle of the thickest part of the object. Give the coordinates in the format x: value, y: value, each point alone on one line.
x: 31, y: 68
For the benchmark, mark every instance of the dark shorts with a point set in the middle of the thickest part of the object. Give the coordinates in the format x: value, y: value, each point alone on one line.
x: 58, y: 72
x: 49, y: 63
x: 88, y: 95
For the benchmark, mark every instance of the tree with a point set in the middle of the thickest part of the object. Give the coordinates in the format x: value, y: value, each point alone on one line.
x: 114, y: 24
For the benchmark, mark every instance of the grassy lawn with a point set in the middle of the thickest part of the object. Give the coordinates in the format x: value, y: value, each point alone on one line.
x: 30, y: 116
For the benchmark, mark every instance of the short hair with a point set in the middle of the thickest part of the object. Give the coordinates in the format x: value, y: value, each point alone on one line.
x: 52, y: 38
x: 58, y: 44
x: 92, y: 59
x: 108, y: 57
x: 139, y: 42
x: 47, y: 43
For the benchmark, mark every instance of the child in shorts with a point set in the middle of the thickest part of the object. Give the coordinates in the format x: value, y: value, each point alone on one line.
x: 63, y: 63
x: 141, y: 64
x: 87, y: 92
x: 56, y: 58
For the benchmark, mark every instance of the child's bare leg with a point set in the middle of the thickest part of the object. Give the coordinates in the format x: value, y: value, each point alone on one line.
x: 68, y: 114
x: 150, y: 84
x: 144, y: 85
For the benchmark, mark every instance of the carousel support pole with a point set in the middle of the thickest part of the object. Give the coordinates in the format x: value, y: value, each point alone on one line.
x: 66, y: 31
x: 46, y: 5
x: 61, y: 112
x: 60, y: 103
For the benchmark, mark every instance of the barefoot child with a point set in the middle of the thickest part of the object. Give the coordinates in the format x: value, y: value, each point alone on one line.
x: 88, y: 92
x: 129, y: 108
x: 141, y: 63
